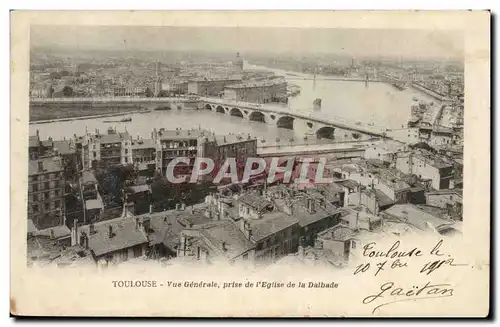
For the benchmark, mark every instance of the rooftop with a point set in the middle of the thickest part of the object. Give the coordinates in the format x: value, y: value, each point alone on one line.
x: 264, y: 83
x: 433, y: 160
x: 225, y: 236
x: 416, y: 217
x: 56, y: 231
x: 271, y: 223
x: 88, y: 177
x: 255, y: 200
x: 143, y: 144
x: 233, y: 139
x: 34, y: 141
x: 48, y: 165
x: 64, y: 147
x: 125, y: 234
x: 93, y: 204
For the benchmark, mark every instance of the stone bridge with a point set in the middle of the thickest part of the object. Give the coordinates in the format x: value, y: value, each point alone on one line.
x: 310, y: 124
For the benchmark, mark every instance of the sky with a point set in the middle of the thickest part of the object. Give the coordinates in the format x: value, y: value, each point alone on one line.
x: 352, y: 42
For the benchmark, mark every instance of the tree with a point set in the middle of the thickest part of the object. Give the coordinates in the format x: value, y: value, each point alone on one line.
x: 67, y: 91
x: 148, y: 92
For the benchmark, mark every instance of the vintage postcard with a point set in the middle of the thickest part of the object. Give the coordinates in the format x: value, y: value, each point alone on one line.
x: 250, y: 164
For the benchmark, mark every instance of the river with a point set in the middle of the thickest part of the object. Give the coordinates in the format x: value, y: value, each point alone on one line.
x: 376, y: 103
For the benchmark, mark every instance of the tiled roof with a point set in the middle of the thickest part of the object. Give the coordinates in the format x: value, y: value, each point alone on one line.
x: 52, y: 164
x: 271, y: 223
x: 58, y: 231
x: 226, y: 231
x: 416, y: 217
x: 88, y: 177
x: 125, y: 235
x: 255, y: 201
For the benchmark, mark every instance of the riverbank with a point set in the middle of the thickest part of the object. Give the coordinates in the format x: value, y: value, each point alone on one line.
x: 46, y: 121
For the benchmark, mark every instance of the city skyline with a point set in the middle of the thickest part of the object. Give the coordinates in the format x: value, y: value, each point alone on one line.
x: 414, y: 44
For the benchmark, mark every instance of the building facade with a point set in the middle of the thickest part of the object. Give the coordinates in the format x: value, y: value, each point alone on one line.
x: 266, y: 91
x: 107, y: 149
x: 46, y: 190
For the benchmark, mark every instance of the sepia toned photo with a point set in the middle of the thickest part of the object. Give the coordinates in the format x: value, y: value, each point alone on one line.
x: 292, y: 163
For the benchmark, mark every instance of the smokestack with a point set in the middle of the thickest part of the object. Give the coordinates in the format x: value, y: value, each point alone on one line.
x: 110, y: 231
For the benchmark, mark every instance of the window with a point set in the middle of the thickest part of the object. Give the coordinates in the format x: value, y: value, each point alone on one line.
x: 57, y: 204
x: 57, y: 193
x: 353, y: 245
x: 46, y: 206
x: 137, y: 251
x: 35, y: 208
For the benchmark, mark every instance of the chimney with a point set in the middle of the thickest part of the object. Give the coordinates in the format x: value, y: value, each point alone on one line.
x: 86, y: 242
x: 222, y: 212
x: 288, y: 208
x: 311, y: 205
x: 52, y: 234
x: 82, y: 239
x: 40, y: 166
x: 110, y: 231
x: 146, y: 224
x: 38, y: 133
x: 74, y: 233
x: 177, y: 206
x: 91, y: 229
x: 183, y: 206
x: 301, y: 250
x: 150, y: 208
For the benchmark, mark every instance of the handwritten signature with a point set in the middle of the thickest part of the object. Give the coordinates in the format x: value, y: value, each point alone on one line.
x: 414, y: 293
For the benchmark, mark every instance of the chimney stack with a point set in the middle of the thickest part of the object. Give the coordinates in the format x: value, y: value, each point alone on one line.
x: 311, y: 206
x: 74, y: 233
x: 110, y: 231
x: 177, y: 206
x: 146, y: 224
x: 150, y: 208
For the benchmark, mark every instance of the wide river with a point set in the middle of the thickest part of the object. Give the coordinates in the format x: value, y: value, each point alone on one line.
x: 376, y: 103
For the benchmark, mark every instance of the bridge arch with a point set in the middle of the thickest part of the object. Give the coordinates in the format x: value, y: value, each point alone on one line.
x: 236, y: 112
x: 257, y: 116
x: 326, y: 132
x: 220, y: 109
x: 208, y: 106
x: 285, y: 122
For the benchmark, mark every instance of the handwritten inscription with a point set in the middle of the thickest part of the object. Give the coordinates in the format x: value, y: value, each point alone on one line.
x: 400, y: 294
x: 396, y: 257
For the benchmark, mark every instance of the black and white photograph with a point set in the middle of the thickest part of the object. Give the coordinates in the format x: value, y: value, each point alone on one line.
x: 262, y: 149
